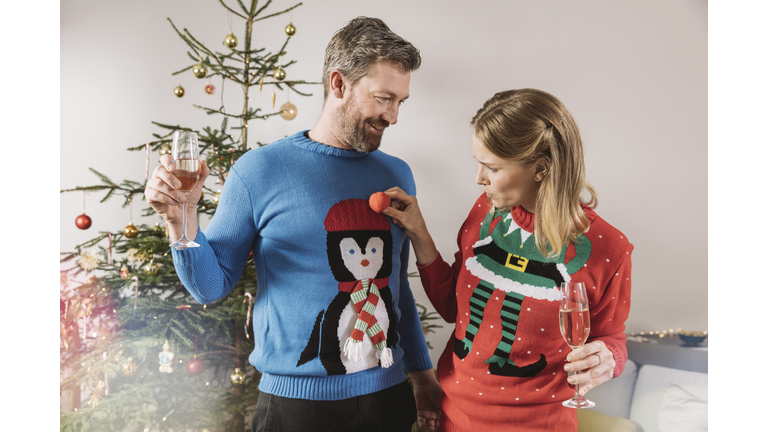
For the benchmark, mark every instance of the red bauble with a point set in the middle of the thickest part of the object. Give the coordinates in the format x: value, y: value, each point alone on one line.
x: 195, y: 366
x: 379, y: 201
x: 250, y: 255
x: 83, y: 221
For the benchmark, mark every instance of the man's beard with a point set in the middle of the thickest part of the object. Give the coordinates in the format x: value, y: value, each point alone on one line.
x: 355, y: 132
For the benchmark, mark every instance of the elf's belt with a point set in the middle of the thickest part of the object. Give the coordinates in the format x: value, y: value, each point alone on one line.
x: 524, y: 265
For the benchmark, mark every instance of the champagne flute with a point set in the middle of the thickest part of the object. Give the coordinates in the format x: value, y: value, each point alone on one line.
x: 186, y: 157
x: 574, y: 326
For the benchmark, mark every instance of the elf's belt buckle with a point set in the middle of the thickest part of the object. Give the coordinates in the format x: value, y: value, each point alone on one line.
x: 521, y: 264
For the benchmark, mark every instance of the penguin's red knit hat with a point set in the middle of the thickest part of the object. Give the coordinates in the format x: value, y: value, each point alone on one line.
x: 354, y: 215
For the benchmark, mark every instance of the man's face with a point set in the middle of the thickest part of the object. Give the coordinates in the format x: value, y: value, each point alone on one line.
x: 373, y: 104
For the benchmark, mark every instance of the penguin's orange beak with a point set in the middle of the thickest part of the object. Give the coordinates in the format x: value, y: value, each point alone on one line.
x: 364, y: 263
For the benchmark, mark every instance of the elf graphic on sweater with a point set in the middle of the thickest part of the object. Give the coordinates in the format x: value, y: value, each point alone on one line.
x: 508, y: 260
x: 357, y: 331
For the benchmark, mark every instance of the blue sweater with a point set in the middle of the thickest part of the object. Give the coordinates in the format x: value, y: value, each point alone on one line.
x: 301, y: 207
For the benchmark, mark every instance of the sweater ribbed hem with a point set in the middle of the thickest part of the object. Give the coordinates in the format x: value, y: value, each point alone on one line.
x: 446, y: 425
x: 336, y: 387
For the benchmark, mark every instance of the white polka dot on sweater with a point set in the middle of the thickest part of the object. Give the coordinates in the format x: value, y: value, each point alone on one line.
x: 607, y: 260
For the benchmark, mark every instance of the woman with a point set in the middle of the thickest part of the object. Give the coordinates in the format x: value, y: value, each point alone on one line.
x: 506, y: 366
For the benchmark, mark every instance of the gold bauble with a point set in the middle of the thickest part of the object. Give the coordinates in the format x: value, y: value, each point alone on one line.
x: 164, y: 149
x: 215, y: 198
x: 179, y: 91
x: 279, y: 73
x: 151, y: 268
x: 131, y: 231
x: 199, y: 70
x: 237, y: 378
x: 290, y: 29
x: 289, y: 111
x: 202, y: 194
x: 129, y: 368
x: 230, y: 41
x: 158, y: 229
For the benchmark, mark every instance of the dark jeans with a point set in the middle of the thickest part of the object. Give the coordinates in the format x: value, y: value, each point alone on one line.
x: 389, y: 410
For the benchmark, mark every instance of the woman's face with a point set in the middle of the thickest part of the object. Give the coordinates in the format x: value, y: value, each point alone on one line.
x: 505, y: 182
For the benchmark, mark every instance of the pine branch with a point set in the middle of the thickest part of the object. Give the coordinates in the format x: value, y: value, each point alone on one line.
x: 185, y: 40
x: 231, y: 10
x: 209, y: 52
x: 275, y: 14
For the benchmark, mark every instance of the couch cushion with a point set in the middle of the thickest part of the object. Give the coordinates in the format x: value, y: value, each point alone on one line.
x: 593, y: 421
x: 671, y: 356
x: 683, y: 409
x: 650, y: 390
x: 615, y: 396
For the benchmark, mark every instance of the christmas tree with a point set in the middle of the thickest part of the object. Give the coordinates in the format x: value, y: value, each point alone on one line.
x: 137, y: 351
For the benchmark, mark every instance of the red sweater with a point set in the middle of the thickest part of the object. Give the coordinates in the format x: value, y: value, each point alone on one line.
x: 503, y: 368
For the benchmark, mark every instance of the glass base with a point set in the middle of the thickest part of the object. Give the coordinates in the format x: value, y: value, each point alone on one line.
x: 184, y: 243
x: 578, y: 402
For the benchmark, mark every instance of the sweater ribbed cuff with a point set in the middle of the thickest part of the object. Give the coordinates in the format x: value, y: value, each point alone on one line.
x: 417, y: 362
x: 187, y: 257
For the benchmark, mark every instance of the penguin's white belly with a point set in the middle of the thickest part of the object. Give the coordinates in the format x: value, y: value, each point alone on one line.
x: 347, y: 324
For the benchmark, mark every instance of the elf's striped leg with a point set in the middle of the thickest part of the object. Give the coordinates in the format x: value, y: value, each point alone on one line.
x: 500, y: 363
x: 510, y: 314
x: 477, y: 303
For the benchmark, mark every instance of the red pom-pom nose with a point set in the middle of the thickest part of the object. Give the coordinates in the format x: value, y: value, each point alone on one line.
x: 379, y: 201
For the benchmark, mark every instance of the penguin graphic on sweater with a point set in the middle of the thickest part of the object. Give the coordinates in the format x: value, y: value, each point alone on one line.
x: 357, y: 331
x: 507, y: 259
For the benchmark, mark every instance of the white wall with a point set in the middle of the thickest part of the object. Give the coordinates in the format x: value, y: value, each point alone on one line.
x: 634, y: 74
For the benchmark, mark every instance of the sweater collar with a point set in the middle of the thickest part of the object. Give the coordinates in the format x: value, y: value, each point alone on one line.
x: 300, y: 140
x: 523, y: 218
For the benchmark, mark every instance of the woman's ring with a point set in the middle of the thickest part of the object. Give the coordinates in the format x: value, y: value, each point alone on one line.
x: 599, y: 360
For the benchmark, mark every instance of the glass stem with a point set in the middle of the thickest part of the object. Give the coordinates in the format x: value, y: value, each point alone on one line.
x: 578, y: 386
x: 184, y: 220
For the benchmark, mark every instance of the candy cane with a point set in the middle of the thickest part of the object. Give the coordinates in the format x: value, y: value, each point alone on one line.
x: 137, y: 291
x: 85, y: 321
x: 146, y: 168
x: 248, y: 317
x: 106, y: 383
x: 109, y: 261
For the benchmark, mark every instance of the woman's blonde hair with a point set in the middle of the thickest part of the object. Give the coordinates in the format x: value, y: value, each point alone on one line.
x: 527, y: 125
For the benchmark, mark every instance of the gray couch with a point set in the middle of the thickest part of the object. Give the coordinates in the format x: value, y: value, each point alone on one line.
x: 663, y: 388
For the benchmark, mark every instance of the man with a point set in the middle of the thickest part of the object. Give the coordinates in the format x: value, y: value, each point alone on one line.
x: 336, y: 327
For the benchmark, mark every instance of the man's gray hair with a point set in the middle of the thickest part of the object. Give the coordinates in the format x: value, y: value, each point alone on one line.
x: 362, y: 42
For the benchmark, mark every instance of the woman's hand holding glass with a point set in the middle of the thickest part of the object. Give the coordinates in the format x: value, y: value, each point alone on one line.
x: 595, y: 363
